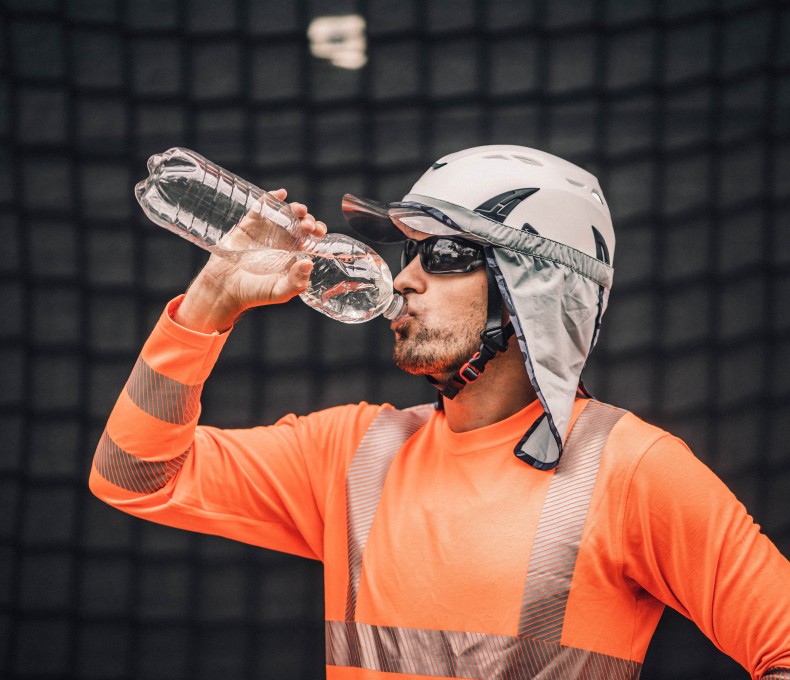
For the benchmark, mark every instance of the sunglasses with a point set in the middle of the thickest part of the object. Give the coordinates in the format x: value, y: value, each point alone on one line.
x: 444, y: 255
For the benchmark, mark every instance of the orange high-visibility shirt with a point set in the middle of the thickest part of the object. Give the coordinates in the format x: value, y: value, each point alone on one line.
x: 449, y: 557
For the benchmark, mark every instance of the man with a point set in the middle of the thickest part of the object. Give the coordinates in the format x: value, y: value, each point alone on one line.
x: 520, y: 529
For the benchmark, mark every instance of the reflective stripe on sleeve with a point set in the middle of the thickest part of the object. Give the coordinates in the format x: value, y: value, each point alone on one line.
x: 130, y: 472
x: 163, y: 397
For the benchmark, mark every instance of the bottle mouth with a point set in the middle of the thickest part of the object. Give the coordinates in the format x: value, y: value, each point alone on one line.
x: 396, y: 308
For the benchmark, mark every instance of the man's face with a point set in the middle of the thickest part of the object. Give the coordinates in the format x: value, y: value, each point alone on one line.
x: 446, y: 313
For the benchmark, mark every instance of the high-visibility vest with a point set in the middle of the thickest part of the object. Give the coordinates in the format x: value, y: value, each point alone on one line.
x: 535, y: 652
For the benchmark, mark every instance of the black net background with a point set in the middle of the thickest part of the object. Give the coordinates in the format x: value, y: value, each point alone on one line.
x: 681, y: 107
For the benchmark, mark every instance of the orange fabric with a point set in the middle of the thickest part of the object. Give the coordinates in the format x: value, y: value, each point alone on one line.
x: 449, y: 545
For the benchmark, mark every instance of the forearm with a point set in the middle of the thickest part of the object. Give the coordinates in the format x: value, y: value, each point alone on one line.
x: 155, y: 462
x: 151, y: 428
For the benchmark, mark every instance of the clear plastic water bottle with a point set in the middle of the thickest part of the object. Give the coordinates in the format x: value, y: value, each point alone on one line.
x: 226, y: 215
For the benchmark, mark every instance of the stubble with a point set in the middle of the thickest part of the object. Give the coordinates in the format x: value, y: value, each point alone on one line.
x: 433, y: 351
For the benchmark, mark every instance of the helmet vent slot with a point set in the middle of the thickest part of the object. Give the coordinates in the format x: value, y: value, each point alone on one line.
x: 574, y: 182
x: 498, y: 157
x: 527, y: 160
x: 597, y: 196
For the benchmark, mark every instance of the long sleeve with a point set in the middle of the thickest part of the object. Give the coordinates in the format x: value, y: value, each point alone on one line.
x: 690, y: 543
x: 266, y: 486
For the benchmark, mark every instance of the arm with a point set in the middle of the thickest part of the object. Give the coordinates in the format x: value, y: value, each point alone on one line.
x: 266, y: 486
x: 155, y: 462
x: 690, y: 543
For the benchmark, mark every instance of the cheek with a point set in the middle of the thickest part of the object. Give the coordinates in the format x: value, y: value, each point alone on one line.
x: 475, y: 293
x: 468, y: 304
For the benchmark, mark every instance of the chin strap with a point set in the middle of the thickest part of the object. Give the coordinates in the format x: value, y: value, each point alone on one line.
x: 493, y: 339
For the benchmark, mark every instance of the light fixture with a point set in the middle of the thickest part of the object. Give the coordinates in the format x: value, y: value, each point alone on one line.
x: 339, y: 39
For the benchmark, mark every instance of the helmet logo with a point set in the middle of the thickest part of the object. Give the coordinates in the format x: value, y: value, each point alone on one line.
x: 499, y: 207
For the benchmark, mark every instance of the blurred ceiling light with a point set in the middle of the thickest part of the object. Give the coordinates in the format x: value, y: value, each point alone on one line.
x: 340, y: 39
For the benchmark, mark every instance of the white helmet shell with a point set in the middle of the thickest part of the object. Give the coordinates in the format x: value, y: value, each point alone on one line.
x: 565, y: 207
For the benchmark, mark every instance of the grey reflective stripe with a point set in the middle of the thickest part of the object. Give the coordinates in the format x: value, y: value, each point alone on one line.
x: 365, y: 481
x: 536, y: 652
x: 776, y: 673
x: 163, y: 397
x: 561, y: 523
x: 455, y: 654
x: 130, y: 472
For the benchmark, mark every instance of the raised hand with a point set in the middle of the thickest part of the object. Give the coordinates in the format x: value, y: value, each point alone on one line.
x: 222, y: 291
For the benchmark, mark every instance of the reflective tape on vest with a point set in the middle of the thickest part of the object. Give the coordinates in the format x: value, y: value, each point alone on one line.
x: 535, y: 652
x: 455, y: 654
x: 365, y: 482
x: 561, y: 523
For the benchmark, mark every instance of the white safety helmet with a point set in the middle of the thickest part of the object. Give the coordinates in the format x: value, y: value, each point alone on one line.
x: 549, y: 250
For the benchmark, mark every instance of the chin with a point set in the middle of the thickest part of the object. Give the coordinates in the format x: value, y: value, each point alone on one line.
x: 432, y: 351
x: 418, y: 361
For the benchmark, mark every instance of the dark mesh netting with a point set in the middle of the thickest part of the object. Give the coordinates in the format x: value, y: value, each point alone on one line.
x: 682, y: 109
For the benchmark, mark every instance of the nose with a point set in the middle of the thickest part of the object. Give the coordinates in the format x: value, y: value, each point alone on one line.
x: 411, y: 278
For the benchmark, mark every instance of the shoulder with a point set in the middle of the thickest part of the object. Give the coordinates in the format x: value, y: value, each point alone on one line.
x: 351, y: 422
x: 632, y: 438
x: 655, y: 464
x: 348, y: 417
x: 645, y: 459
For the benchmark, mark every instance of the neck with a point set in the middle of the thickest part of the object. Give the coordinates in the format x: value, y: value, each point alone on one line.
x: 501, y: 390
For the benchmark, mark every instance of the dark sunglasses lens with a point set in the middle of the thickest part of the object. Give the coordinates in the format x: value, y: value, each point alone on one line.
x: 409, y: 252
x: 441, y: 255
x: 447, y: 256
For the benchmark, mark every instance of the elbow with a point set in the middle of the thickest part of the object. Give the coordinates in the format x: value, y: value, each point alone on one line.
x: 94, y: 482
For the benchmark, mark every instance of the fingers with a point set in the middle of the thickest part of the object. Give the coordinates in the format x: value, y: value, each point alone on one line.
x: 279, y: 193
x: 307, y: 221
x: 320, y: 229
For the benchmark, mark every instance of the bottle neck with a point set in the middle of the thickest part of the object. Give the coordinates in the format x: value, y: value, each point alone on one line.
x: 396, y: 307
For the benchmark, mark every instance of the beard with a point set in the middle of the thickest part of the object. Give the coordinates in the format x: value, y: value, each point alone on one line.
x: 433, y: 351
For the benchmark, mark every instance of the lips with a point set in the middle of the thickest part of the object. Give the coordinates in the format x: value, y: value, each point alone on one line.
x: 405, y: 318
x: 401, y: 321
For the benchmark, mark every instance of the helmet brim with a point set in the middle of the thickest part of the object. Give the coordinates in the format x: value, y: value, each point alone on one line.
x: 378, y: 222
x: 370, y: 219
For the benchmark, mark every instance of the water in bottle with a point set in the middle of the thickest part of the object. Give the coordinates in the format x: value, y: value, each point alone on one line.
x: 230, y: 217
x: 350, y: 282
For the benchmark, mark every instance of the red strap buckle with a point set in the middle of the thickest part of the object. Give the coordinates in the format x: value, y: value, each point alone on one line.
x: 468, y: 372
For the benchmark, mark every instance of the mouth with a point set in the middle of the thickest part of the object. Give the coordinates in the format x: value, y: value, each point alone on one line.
x: 399, y: 323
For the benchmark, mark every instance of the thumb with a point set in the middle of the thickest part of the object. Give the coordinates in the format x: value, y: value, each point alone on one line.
x: 295, y: 281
